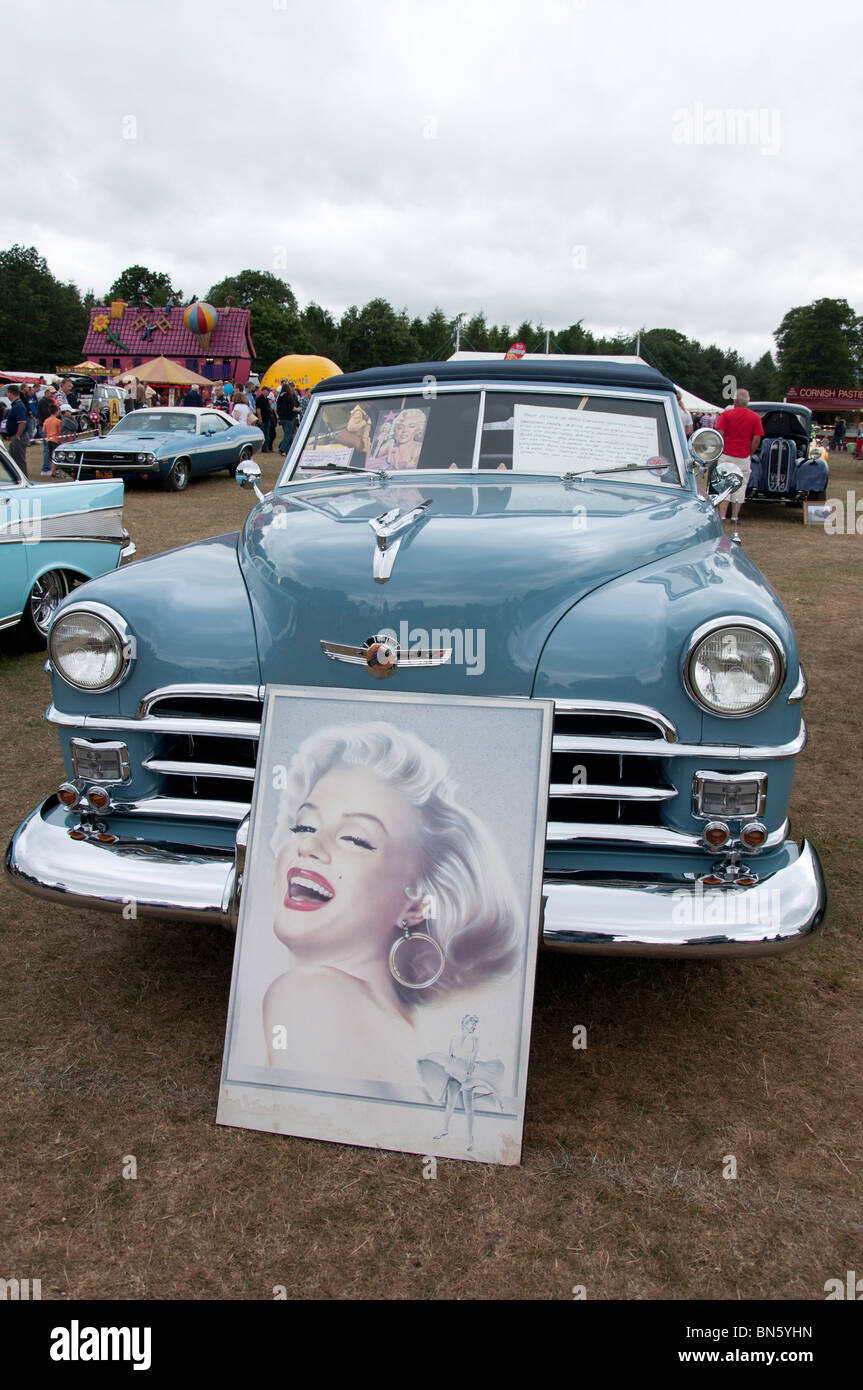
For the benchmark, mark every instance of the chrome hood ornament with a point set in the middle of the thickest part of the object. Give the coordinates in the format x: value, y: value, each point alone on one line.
x: 392, y: 524
x: 382, y: 655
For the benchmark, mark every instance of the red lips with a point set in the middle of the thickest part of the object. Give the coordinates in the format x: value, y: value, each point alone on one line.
x: 307, y: 891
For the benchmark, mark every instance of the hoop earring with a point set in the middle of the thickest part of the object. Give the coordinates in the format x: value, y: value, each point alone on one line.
x: 397, y: 946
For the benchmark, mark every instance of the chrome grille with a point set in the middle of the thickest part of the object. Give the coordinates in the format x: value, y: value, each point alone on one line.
x: 209, y: 745
x: 606, y: 783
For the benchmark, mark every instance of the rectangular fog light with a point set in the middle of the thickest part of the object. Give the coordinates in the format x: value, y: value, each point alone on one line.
x: 729, y: 796
x: 100, y: 762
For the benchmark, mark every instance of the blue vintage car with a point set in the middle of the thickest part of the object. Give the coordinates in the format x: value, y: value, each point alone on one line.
x: 528, y: 529
x: 788, y: 467
x: 53, y: 536
x: 171, y: 443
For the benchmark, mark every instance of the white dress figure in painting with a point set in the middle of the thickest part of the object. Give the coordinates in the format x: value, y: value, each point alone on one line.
x: 458, y: 1074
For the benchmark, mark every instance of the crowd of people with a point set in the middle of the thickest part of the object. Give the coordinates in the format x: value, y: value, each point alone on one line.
x: 267, y: 408
x: 36, y: 411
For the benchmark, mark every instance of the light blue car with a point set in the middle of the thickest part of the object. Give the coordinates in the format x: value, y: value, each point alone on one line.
x: 171, y: 443
x: 528, y: 529
x: 53, y: 536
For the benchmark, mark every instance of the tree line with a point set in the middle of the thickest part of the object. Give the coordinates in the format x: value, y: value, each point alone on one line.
x: 43, y: 322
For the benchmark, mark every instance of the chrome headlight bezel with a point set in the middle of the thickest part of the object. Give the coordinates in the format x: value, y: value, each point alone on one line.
x: 710, y: 629
x: 120, y: 631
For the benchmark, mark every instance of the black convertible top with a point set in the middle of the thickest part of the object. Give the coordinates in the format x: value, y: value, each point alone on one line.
x: 509, y: 373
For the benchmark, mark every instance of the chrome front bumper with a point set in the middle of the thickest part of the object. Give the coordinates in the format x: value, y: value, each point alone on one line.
x: 589, y: 916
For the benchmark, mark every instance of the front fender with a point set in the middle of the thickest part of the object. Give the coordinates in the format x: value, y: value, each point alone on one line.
x: 189, y: 615
x: 627, y: 641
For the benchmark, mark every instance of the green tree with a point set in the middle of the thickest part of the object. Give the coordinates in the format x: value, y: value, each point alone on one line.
x: 249, y: 287
x: 321, y: 331
x: 762, y: 383
x: 819, y: 344
x: 137, y: 283
x: 375, y: 336
x: 42, y: 320
x: 275, y: 332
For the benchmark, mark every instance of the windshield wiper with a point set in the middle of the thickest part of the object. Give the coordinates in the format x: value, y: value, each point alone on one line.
x: 618, y: 468
x: 343, y: 468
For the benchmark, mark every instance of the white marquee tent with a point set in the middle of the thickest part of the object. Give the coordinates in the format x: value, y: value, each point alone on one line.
x: 690, y: 400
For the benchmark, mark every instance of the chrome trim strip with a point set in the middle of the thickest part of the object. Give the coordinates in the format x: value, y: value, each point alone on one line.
x: 646, y: 712
x: 477, y: 439
x: 561, y: 743
x: 595, y: 791
x: 721, y: 752
x: 200, y: 690
x: 62, y: 540
x: 801, y: 689
x: 651, y: 836
x: 182, y: 808
x: 716, y: 625
x: 10, y: 621
x: 219, y: 728
x: 591, y: 916
x: 174, y: 767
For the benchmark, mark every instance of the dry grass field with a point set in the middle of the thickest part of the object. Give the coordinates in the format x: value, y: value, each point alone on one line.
x: 111, y: 1034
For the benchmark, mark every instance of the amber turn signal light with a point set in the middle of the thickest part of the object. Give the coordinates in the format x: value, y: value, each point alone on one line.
x: 716, y: 833
x: 754, y: 835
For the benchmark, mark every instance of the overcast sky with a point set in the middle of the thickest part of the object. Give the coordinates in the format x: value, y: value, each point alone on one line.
x: 545, y: 159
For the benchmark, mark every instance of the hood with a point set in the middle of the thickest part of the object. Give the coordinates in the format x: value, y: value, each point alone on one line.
x: 132, y: 442
x: 488, y: 570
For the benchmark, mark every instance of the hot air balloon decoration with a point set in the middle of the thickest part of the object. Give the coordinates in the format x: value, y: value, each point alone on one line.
x: 201, y: 318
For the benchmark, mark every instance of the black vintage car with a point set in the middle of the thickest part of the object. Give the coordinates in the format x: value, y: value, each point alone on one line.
x: 786, y: 467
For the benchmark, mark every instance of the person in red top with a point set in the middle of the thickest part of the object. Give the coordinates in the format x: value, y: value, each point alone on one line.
x: 742, y: 432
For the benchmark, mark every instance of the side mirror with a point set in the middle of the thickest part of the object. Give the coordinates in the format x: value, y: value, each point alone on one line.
x: 723, y: 482
x: 248, y: 473
x: 705, y: 447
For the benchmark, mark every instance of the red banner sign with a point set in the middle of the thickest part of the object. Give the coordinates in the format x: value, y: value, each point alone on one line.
x: 826, y: 397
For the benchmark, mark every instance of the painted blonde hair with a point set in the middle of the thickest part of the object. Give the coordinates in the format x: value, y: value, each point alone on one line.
x: 473, y: 908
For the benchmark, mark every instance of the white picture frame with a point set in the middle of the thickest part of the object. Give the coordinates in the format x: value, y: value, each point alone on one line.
x: 409, y: 1034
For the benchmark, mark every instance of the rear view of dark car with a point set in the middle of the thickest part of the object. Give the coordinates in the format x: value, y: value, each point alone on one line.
x: 786, y: 468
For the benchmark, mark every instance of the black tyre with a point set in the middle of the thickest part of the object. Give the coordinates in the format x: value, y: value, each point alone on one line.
x: 177, y: 480
x: 42, y: 604
x: 246, y: 453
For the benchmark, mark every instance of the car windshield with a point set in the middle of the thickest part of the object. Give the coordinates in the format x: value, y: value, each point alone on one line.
x: 562, y: 434
x: 156, y: 422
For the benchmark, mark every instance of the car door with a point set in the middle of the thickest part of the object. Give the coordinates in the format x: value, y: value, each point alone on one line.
x: 214, y: 442
x: 17, y: 519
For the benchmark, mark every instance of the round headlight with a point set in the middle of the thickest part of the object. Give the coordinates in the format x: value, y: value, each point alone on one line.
x: 90, y: 649
x: 734, y: 669
x: 706, y: 445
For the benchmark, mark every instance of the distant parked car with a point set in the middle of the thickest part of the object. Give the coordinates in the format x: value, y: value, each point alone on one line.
x: 787, y: 467
x: 170, y: 443
x: 53, y: 537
